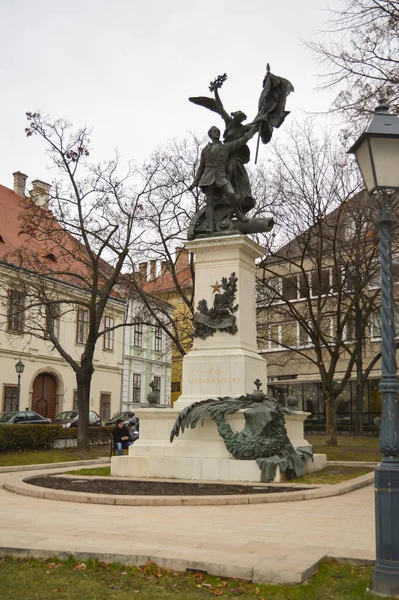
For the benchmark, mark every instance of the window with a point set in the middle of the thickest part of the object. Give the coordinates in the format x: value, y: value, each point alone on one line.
x: 350, y: 333
x: 375, y: 324
x: 75, y: 400
x: 31, y: 416
x: 16, y: 307
x: 10, y: 398
x: 108, y: 335
x: 105, y: 405
x: 270, y: 291
x: 320, y: 282
x: 158, y: 339
x: 374, y: 274
x: 82, y: 326
x: 157, y: 384
x: 290, y: 288
x: 52, y: 320
x: 289, y: 334
x: 274, y: 336
x: 175, y: 387
x: 303, y: 286
x: 136, y: 387
x: 138, y: 335
x: 327, y: 329
x: 336, y: 278
x: 303, y: 336
x: 357, y: 226
x: 349, y: 229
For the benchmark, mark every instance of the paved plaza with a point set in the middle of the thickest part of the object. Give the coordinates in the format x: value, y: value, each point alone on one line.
x: 265, y: 542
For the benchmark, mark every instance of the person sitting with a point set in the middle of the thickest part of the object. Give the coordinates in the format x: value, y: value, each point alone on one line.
x: 120, y: 436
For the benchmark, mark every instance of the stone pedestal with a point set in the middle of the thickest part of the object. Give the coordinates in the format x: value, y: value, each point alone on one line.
x: 221, y: 365
x: 224, y: 364
x: 197, y: 454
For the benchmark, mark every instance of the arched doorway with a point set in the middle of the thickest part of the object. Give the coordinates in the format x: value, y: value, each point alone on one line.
x: 44, y: 395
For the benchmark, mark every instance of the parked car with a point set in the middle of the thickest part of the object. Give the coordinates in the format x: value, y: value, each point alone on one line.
x: 129, y: 419
x: 23, y: 417
x: 70, y: 418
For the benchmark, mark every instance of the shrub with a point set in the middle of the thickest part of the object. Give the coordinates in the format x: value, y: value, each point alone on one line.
x: 97, y: 435
x: 28, y: 437
x: 14, y: 438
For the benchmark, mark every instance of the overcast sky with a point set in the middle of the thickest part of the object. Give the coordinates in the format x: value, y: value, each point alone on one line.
x: 127, y: 67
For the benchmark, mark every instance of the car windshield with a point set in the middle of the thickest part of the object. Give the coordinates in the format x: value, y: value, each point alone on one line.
x: 7, y: 416
x: 67, y: 415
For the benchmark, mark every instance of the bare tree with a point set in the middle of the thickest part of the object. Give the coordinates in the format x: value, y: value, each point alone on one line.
x: 90, y: 232
x: 316, y: 294
x: 359, y: 55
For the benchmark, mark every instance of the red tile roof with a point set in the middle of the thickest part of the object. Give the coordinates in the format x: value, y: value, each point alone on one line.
x: 58, y: 254
x: 165, y: 283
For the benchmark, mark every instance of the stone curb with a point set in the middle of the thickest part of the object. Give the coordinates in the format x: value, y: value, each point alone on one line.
x: 38, y: 467
x: 250, y: 569
x: 352, y: 463
x: 18, y: 485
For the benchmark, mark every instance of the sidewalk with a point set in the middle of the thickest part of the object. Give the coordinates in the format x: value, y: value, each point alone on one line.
x: 280, y: 542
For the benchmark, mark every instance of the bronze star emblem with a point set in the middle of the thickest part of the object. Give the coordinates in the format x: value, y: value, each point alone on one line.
x: 216, y: 287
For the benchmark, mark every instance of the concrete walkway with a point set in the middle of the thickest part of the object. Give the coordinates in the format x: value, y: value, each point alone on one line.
x: 281, y: 542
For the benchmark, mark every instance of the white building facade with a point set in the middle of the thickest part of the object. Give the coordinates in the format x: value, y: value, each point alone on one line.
x: 147, y: 358
x: 48, y: 383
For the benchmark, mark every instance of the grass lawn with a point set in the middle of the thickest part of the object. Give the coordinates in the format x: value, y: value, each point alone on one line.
x: 95, y: 472
x: 22, y: 579
x: 350, y: 447
x: 40, y: 457
x: 331, y: 475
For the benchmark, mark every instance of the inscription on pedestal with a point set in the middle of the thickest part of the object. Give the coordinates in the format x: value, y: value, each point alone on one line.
x: 212, y: 376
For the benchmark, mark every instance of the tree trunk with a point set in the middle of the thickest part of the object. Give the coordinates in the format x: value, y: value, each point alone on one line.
x: 331, y: 421
x: 359, y: 367
x: 84, y: 406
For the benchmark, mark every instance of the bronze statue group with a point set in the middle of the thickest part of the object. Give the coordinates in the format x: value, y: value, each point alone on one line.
x: 222, y: 175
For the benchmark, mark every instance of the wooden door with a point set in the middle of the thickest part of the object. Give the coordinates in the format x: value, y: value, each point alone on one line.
x: 44, y: 395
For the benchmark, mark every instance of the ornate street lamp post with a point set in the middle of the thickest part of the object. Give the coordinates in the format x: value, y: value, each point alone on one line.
x: 377, y: 154
x: 19, y: 367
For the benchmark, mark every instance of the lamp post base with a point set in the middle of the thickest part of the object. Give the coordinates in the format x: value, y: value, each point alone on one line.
x: 386, y: 568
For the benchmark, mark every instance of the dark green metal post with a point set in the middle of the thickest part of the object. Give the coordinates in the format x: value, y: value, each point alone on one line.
x: 386, y: 568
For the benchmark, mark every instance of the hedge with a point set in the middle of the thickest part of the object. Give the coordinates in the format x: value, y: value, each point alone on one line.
x: 14, y: 438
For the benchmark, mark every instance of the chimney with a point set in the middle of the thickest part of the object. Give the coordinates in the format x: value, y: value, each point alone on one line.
x: 19, y: 183
x: 182, y: 259
x: 153, y: 270
x: 165, y: 267
x: 143, y: 271
x: 40, y: 193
